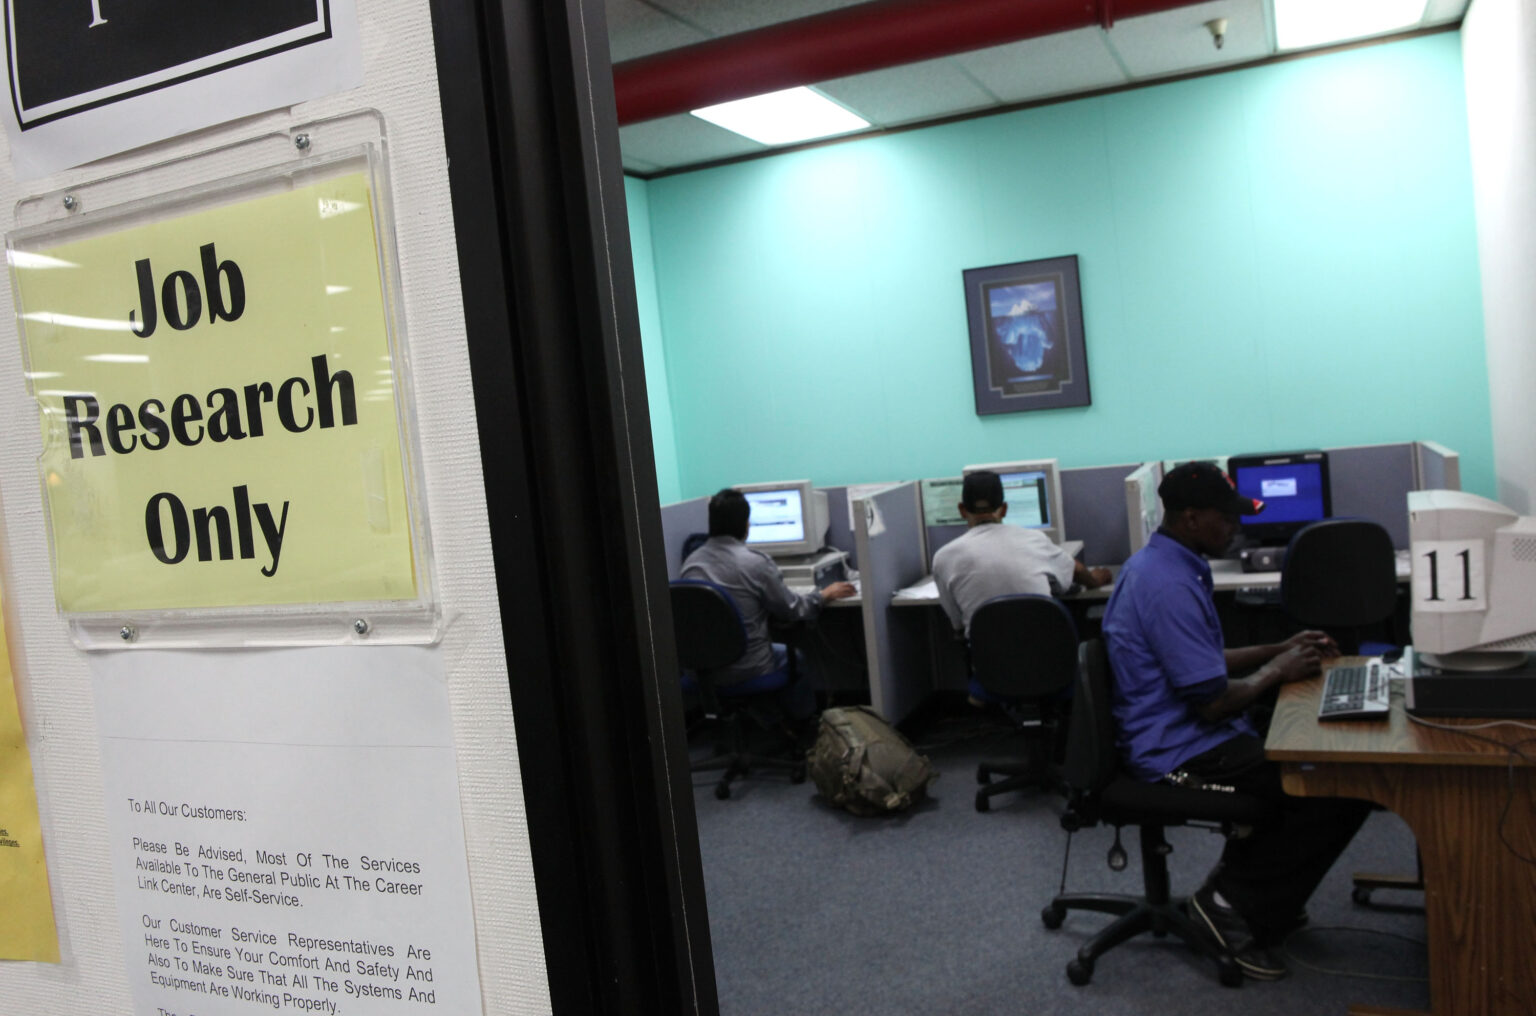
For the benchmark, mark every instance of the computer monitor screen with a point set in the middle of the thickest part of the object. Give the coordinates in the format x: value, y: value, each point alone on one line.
x: 787, y: 518
x: 1032, y: 491
x: 1474, y: 579
x: 941, y: 500
x: 1294, y: 487
x: 778, y: 516
x: 1029, y: 504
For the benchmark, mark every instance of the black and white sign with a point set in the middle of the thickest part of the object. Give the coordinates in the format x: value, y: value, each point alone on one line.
x: 1449, y: 576
x: 89, y: 78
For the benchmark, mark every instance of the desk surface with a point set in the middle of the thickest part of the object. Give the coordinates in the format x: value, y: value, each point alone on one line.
x: 848, y: 601
x: 1296, y: 735
x: 1470, y: 811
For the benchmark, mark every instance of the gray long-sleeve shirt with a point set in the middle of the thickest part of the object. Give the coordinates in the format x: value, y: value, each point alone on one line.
x: 754, y: 582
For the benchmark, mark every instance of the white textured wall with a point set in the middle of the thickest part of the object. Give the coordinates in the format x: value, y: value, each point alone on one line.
x: 1499, y: 53
x: 400, y: 80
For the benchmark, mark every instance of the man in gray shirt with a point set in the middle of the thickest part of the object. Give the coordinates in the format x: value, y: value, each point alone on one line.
x: 754, y: 582
x: 991, y: 559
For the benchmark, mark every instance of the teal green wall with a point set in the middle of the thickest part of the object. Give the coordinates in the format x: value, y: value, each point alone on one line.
x: 1259, y: 252
x: 658, y: 393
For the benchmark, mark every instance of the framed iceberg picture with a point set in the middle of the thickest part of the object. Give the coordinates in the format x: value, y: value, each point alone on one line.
x: 1026, y: 330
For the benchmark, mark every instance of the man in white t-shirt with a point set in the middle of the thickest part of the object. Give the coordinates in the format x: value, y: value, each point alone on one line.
x: 991, y: 559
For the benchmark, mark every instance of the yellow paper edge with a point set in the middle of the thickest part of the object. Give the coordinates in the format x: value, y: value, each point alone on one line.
x: 27, y: 930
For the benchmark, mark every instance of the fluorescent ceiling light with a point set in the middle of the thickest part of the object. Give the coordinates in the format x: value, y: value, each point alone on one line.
x: 780, y: 118
x: 1303, y: 23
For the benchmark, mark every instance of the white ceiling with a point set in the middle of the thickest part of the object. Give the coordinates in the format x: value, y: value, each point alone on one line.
x: 1134, y: 50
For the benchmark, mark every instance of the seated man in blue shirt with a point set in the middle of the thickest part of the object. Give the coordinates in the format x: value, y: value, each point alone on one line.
x: 754, y: 582
x: 1180, y: 715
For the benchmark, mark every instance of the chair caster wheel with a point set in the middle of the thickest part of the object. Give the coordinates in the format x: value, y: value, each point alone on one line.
x: 1230, y: 974
x: 797, y: 774
x: 983, y: 803
x: 1361, y: 895
x: 1052, y: 916
x: 722, y: 791
x: 1079, y: 973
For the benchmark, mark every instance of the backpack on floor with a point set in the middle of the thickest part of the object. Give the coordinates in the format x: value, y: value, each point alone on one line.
x: 859, y: 762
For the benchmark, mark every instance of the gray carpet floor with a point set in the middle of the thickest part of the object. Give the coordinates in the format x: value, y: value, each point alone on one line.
x: 937, y: 910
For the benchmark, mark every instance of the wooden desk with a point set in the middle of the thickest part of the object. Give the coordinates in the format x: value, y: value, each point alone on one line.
x: 1453, y: 791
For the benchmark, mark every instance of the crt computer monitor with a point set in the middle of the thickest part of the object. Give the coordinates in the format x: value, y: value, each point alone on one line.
x: 1474, y: 580
x: 789, y: 517
x: 1033, y: 492
x: 1143, y: 508
x: 1294, y: 487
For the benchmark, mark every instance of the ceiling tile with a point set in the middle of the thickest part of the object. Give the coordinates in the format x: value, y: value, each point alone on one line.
x: 641, y: 166
x: 1440, y: 11
x: 917, y: 91
x: 1053, y: 65
x: 1142, y: 48
x: 681, y: 140
x: 1177, y: 41
x: 727, y: 17
x: 636, y: 29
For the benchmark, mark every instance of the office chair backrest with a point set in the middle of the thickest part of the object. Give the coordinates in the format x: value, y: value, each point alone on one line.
x: 1092, y: 759
x: 707, y: 625
x: 1023, y: 646
x: 1340, y: 572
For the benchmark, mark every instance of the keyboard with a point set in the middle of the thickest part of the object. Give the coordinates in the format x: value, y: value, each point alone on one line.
x: 1361, y: 692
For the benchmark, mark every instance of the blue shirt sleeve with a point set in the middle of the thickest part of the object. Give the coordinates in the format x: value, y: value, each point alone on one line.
x: 1185, y: 636
x: 1203, y: 692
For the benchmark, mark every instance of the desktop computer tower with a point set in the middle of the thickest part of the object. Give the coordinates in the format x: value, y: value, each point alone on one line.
x: 1432, y: 691
x: 820, y: 569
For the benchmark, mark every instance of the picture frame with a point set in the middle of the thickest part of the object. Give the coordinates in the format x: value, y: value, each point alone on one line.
x: 1025, y: 322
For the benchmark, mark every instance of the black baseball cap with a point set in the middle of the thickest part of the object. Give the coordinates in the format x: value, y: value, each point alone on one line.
x: 982, y: 492
x: 1202, y: 485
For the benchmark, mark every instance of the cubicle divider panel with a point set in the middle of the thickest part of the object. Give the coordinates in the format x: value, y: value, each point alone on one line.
x: 1372, y: 482
x: 1439, y: 468
x: 890, y: 546
x: 1093, y: 501
x: 678, y: 522
x: 840, y: 530
x: 937, y: 537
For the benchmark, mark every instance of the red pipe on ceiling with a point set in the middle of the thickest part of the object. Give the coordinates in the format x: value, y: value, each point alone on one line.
x: 852, y: 40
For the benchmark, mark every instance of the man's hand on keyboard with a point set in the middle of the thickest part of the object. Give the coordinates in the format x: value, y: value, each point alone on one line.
x: 1299, y: 662
x: 838, y: 591
x: 1321, y: 641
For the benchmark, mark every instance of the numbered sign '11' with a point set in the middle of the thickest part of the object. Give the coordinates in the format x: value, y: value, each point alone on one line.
x: 1449, y: 576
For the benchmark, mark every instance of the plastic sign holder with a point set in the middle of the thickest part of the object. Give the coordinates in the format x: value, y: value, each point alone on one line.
x: 217, y: 349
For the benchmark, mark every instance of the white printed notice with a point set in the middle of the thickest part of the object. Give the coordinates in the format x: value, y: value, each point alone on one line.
x: 285, y: 832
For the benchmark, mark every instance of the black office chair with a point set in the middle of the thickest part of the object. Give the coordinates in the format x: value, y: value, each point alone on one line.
x: 1340, y: 575
x: 710, y: 635
x: 1099, y: 792
x: 1023, y: 653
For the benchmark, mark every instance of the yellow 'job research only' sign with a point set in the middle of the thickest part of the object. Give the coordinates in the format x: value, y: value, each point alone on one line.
x: 218, y: 407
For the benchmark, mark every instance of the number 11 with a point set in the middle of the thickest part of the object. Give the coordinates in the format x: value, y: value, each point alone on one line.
x: 1434, y: 574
